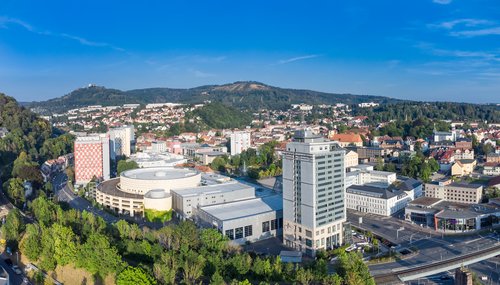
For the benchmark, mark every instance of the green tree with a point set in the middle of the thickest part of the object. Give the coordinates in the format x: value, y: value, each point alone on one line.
x: 192, y: 267
x: 15, y: 189
x: 31, y: 243
x: 134, y: 275
x: 124, y: 165
x: 262, y: 267
x: 13, y: 226
x: 65, y: 244
x: 213, y: 240
x: 97, y: 256
x: 304, y: 276
x: 166, y: 268
x: 217, y: 279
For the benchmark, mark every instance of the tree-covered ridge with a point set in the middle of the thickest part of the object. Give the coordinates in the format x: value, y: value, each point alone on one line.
x: 248, y: 95
x: 220, y: 116
x: 434, y: 110
x: 29, y: 142
x: 174, y: 254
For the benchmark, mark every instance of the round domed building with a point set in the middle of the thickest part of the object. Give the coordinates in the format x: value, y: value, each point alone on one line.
x: 140, y: 189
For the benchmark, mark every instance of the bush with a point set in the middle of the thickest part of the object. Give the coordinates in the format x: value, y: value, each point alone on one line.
x: 158, y: 216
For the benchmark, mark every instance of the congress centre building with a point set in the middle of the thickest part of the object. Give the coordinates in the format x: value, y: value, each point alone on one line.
x: 152, y: 188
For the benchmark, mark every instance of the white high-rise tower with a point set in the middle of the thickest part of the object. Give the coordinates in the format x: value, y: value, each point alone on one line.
x: 313, y: 193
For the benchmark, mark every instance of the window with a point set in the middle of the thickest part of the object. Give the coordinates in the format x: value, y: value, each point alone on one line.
x: 248, y: 231
x: 273, y: 224
x: 308, y: 242
x: 238, y: 233
x: 265, y: 227
x: 230, y: 234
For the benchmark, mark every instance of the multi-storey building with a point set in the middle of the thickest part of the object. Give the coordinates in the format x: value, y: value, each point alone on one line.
x: 91, y: 158
x: 454, y: 192
x: 240, y: 141
x: 313, y: 193
x: 121, y: 141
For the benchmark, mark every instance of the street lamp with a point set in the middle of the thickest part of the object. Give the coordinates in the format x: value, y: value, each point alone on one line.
x: 411, y: 236
x: 397, y: 232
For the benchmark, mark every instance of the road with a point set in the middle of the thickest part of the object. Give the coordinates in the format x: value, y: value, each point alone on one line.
x: 14, y: 278
x: 65, y: 194
x: 489, y: 268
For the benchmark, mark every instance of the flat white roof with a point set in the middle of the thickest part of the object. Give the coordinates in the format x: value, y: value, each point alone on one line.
x: 209, y: 189
x: 244, y: 208
x: 159, y: 173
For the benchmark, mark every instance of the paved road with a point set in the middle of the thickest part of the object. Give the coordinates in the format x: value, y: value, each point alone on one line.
x: 65, y: 194
x: 14, y: 278
x: 489, y: 268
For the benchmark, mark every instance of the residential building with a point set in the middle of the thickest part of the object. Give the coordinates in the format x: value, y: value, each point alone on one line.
x: 240, y: 141
x: 350, y: 159
x: 463, y: 167
x: 368, y: 152
x: 91, y: 158
x: 454, y: 192
x: 313, y: 193
x: 463, y: 143
x: 493, y: 157
x: 208, y: 157
x: 364, y: 174
x: 121, y: 141
x: 347, y: 139
x: 445, y: 136
x: 463, y: 153
x: 158, y: 146
x: 491, y: 168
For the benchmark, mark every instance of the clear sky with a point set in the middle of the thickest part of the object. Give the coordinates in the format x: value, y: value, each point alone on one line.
x: 447, y: 50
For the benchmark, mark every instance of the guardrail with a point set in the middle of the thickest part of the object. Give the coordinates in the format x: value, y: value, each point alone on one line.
x: 399, y: 276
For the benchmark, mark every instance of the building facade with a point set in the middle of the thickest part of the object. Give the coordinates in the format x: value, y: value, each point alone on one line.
x: 313, y: 193
x: 454, y: 192
x: 245, y: 221
x: 350, y: 159
x: 240, y: 141
x: 121, y: 141
x: 91, y: 158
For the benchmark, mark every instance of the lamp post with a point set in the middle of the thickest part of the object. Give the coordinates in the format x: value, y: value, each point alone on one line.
x: 397, y: 232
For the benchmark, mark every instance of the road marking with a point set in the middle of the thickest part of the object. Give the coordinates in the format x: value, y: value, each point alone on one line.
x: 474, y: 240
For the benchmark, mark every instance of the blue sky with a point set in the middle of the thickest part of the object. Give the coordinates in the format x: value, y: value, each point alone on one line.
x: 446, y: 50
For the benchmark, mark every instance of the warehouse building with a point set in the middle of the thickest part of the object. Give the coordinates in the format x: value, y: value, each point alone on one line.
x: 246, y: 220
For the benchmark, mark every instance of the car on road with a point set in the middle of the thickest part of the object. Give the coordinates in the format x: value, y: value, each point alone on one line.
x: 16, y: 269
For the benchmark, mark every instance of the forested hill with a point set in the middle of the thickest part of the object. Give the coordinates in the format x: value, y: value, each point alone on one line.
x: 28, y: 134
x: 244, y: 95
x: 404, y: 111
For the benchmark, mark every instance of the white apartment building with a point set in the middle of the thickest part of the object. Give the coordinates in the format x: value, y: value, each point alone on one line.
x: 240, y: 141
x: 313, y: 193
x: 158, y: 146
x: 121, y: 140
x: 364, y: 174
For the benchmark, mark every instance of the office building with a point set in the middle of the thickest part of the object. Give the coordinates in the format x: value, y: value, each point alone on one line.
x: 454, y: 192
x: 240, y: 141
x: 121, y: 141
x: 313, y: 193
x: 91, y: 158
